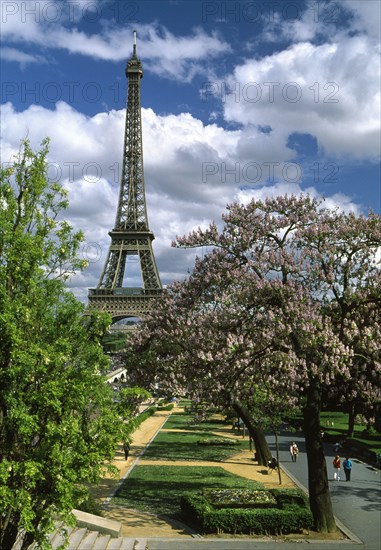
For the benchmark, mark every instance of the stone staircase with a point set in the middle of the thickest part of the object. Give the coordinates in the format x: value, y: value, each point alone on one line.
x: 83, y: 539
x: 91, y: 533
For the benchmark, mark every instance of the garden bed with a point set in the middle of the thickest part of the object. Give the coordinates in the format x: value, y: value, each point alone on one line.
x: 256, y: 512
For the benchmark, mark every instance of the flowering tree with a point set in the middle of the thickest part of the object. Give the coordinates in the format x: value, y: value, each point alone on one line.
x: 189, y: 346
x: 346, y: 277
x: 304, y: 282
x: 288, y: 299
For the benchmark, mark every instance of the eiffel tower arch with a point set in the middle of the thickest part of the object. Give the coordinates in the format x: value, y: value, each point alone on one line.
x: 131, y: 237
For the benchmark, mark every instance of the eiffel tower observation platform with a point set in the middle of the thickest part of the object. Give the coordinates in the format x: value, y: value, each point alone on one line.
x: 122, y: 303
x: 131, y: 237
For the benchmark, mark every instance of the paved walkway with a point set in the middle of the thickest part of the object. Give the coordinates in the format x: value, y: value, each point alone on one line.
x: 160, y: 533
x: 356, y: 504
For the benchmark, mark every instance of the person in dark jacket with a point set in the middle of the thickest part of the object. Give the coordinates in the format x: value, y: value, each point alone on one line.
x: 347, y: 465
x: 272, y: 464
x: 126, y: 449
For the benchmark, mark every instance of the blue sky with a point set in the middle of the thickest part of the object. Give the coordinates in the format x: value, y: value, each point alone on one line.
x: 239, y: 100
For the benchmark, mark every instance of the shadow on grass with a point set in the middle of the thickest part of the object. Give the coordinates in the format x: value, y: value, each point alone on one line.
x: 158, y: 489
x: 184, y: 446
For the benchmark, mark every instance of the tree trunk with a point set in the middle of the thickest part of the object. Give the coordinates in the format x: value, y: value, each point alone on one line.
x: 277, y: 456
x: 263, y: 454
x: 9, y: 532
x: 320, y: 499
x: 351, y: 420
x: 27, y: 541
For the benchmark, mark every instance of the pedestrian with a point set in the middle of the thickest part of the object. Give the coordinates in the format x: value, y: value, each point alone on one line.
x: 126, y: 448
x: 294, y: 451
x: 347, y: 465
x: 272, y: 464
x: 336, y: 466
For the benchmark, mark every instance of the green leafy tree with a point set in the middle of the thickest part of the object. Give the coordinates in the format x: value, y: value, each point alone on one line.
x: 129, y: 400
x: 58, y: 425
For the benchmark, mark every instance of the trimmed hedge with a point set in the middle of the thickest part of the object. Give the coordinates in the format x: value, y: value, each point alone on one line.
x: 289, y: 497
x: 168, y: 407
x: 195, y: 508
x: 292, y: 518
x: 220, y: 441
x: 144, y: 415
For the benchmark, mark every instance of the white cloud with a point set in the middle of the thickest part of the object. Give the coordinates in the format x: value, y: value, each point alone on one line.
x: 178, y: 199
x: 336, y: 200
x: 366, y: 16
x: 330, y: 91
x: 179, y: 58
x: 325, y: 20
x: 13, y: 54
x: 317, y: 19
x: 52, y: 24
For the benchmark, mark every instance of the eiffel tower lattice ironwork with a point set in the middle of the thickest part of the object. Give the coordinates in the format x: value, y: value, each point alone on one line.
x: 131, y: 236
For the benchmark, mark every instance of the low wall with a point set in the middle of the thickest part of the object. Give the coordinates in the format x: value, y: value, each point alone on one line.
x: 97, y: 523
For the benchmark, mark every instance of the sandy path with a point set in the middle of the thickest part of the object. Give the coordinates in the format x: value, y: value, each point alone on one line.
x: 141, y: 524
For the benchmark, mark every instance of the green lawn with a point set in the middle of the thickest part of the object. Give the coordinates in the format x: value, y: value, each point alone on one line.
x: 340, y: 428
x: 176, y: 445
x: 157, y: 489
x: 184, y: 421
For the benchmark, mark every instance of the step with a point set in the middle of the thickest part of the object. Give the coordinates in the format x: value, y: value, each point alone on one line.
x: 97, y: 523
x: 114, y: 544
x: 140, y: 544
x: 76, y: 538
x: 57, y: 539
x: 101, y: 542
x: 127, y: 544
x: 88, y: 541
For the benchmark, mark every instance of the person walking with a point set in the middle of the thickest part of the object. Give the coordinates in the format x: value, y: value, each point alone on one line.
x: 294, y: 451
x: 336, y: 467
x: 126, y: 449
x: 272, y: 464
x: 347, y: 465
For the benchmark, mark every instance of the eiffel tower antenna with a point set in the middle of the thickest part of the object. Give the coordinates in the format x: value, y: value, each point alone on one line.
x: 131, y: 237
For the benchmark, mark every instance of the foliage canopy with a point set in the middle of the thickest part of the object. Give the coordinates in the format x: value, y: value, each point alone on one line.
x: 58, y: 426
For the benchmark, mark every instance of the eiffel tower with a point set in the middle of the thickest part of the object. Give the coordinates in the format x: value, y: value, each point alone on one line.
x: 131, y: 238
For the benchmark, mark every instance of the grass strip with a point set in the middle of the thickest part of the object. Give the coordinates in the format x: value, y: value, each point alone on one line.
x: 183, y: 421
x: 158, y: 489
x: 176, y: 445
x: 340, y: 427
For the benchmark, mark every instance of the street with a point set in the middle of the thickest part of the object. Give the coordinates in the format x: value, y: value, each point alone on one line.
x: 357, y: 503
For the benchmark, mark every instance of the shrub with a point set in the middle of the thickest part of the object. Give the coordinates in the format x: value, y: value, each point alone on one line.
x: 168, y: 407
x: 144, y: 415
x: 194, y: 508
x: 287, y: 497
x: 204, y: 514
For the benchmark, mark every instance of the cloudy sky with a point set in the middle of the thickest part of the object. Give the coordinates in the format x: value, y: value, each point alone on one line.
x: 239, y: 100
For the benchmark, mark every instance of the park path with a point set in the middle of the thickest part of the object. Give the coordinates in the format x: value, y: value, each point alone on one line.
x: 141, y: 524
x: 358, y: 509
